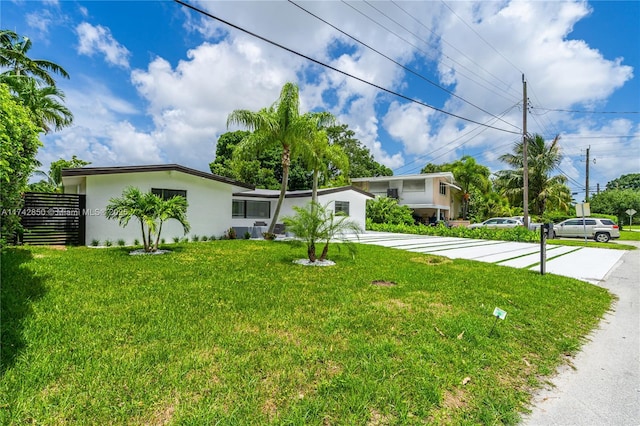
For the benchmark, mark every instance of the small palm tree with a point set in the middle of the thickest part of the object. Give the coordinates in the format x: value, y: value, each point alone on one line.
x: 173, y: 208
x: 150, y: 210
x: 45, y: 103
x: 316, y: 223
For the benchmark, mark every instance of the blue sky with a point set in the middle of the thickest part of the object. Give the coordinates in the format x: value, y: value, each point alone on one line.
x: 153, y: 82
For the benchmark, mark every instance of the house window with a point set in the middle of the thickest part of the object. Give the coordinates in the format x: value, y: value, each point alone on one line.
x: 167, y: 194
x: 342, y: 207
x: 248, y: 209
x: 443, y: 188
x: 413, y: 185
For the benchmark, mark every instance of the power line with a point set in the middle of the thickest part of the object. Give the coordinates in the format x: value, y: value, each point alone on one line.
x: 584, y: 112
x: 429, y: 154
x: 456, y: 49
x: 443, y: 54
x: 397, y: 63
x: 196, y: 9
x: 482, y: 38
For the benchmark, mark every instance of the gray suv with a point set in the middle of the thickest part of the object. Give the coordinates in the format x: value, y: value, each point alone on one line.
x: 601, y: 230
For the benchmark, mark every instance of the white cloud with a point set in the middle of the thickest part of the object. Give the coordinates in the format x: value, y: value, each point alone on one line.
x: 40, y: 21
x: 98, y: 39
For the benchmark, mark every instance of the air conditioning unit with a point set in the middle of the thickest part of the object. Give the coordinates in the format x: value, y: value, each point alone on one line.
x: 392, y: 193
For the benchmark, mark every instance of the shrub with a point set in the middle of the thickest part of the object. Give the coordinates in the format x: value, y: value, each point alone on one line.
x: 136, y: 242
x: 162, y: 241
x: 387, y: 210
x: 212, y: 238
x: 121, y: 242
x: 230, y: 234
x: 519, y: 233
x: 108, y: 243
x: 247, y: 235
x: 95, y: 243
x: 195, y: 238
x: 269, y: 236
x: 204, y: 238
x: 176, y: 239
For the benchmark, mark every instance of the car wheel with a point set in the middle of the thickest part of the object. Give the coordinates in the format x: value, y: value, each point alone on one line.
x: 602, y: 237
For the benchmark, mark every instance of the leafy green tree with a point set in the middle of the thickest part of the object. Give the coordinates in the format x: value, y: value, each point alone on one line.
x: 316, y: 223
x: 616, y: 202
x: 52, y: 181
x: 19, y: 145
x: 278, y: 125
x: 151, y: 212
x: 387, y: 210
x: 630, y: 181
x: 543, y: 158
x: 361, y: 162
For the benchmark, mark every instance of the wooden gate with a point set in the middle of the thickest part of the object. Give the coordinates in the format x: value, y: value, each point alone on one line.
x: 53, y: 219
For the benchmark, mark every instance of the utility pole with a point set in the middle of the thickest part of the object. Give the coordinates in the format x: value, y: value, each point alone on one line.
x: 586, y: 195
x: 525, y: 162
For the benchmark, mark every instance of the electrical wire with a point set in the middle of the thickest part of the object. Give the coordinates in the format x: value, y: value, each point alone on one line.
x: 318, y: 62
x: 396, y: 62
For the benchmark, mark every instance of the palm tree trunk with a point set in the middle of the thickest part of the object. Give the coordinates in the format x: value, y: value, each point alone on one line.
x: 144, y: 238
x: 314, y: 190
x: 325, y: 250
x: 286, y: 162
x: 311, y: 252
x: 155, y: 246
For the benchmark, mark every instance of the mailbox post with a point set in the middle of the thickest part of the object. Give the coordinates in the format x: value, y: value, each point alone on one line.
x: 545, y: 231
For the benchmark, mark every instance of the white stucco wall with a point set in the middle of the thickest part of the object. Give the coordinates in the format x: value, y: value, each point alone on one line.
x: 209, y: 211
x: 357, y: 206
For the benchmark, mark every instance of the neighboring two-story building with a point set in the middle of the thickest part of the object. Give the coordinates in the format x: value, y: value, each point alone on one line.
x: 428, y: 195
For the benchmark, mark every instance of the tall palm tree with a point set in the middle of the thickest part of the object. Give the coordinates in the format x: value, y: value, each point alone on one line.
x: 278, y: 125
x: 13, y: 55
x: 44, y: 103
x: 318, y: 152
x: 542, y: 158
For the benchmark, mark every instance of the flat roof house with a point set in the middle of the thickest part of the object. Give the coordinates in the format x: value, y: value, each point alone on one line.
x: 216, y: 203
x: 428, y: 194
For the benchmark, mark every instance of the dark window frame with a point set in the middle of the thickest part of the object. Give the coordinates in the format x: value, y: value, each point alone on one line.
x: 443, y: 188
x: 244, y: 209
x: 167, y: 194
x: 340, y: 209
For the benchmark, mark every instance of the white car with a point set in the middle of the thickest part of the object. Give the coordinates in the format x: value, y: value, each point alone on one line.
x: 601, y: 230
x: 498, y: 223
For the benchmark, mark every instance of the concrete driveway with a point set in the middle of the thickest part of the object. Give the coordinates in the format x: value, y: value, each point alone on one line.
x: 584, y: 263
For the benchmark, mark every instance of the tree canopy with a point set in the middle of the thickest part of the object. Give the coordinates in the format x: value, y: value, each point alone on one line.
x: 629, y: 181
x: 19, y: 145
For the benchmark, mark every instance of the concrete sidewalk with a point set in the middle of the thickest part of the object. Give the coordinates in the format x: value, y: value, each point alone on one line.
x: 603, y: 387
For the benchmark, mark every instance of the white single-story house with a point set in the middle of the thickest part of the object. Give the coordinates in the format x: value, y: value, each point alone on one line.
x: 427, y: 194
x: 216, y: 203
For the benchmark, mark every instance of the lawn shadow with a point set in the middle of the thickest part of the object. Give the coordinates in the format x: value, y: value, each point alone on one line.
x: 19, y: 290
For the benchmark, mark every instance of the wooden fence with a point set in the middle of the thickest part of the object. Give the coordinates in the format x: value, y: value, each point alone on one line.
x: 53, y: 219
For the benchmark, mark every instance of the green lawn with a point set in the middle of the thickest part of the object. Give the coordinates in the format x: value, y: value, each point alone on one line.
x: 232, y: 333
x: 629, y: 236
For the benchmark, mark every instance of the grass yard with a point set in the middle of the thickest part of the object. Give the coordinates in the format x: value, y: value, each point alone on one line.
x: 232, y: 333
x: 629, y: 235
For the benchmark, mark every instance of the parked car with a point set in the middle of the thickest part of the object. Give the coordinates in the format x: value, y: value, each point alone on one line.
x: 498, y: 223
x: 534, y: 226
x: 601, y: 230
